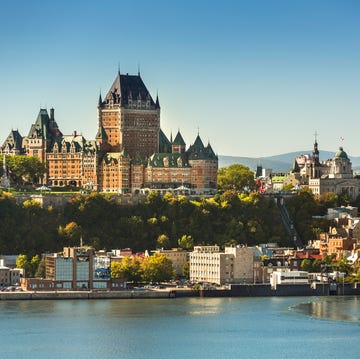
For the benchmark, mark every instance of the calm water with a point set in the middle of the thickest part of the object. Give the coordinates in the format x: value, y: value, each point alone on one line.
x: 182, y: 328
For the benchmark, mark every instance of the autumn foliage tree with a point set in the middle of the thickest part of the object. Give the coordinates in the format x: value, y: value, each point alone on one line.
x: 157, y: 268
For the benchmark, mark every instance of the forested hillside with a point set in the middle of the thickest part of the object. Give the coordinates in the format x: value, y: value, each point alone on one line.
x: 101, y: 222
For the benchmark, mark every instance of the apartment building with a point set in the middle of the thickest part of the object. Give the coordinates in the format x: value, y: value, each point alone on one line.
x: 234, y: 265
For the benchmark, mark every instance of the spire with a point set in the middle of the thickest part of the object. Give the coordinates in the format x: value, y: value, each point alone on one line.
x: 100, y: 100
x: 316, y: 150
x: 139, y: 69
x: 157, y: 103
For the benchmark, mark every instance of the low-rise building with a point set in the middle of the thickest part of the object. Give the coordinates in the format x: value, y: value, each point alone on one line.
x: 8, y: 276
x: 288, y: 277
x: 76, y: 268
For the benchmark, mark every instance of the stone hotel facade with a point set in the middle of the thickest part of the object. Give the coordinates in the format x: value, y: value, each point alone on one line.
x: 130, y: 152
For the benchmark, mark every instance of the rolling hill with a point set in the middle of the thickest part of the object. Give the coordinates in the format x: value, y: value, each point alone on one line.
x: 279, y: 163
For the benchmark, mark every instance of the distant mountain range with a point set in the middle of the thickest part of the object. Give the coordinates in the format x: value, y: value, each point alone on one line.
x: 280, y: 163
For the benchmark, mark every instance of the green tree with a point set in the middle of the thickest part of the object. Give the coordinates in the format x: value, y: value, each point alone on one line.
x: 186, y: 270
x: 130, y: 268
x: 25, y: 169
x: 316, y: 265
x: 306, y: 265
x: 236, y: 177
x: 22, y: 262
x: 72, y: 232
x: 41, y: 270
x: 157, y: 268
x: 30, y: 267
x: 186, y: 242
x: 163, y: 241
x: 34, y: 263
x: 343, y: 265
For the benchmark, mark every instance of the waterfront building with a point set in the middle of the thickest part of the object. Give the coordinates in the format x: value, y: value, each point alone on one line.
x: 288, y: 277
x: 76, y: 268
x: 234, y: 265
x: 130, y: 152
x: 9, y: 276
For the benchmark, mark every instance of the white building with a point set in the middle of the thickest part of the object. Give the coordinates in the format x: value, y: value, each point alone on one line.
x: 234, y: 265
x: 288, y: 277
x: 8, y: 276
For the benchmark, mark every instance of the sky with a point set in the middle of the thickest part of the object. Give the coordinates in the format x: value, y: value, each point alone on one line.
x: 254, y: 78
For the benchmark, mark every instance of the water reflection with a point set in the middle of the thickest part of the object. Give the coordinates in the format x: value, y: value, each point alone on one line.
x: 333, y: 308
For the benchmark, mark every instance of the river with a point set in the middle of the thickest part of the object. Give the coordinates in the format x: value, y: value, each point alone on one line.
x: 277, y: 327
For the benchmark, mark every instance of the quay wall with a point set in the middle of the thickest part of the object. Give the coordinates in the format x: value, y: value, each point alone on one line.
x: 265, y: 290
x: 85, y: 295
x: 236, y: 290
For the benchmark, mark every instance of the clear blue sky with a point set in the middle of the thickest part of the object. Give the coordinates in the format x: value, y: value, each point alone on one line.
x: 257, y: 78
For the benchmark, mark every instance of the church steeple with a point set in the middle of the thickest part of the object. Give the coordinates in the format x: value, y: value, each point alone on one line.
x: 315, y: 156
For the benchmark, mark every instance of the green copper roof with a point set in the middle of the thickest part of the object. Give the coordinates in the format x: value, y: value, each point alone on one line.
x: 179, y: 140
x: 164, y: 143
x: 198, y: 151
x: 341, y: 154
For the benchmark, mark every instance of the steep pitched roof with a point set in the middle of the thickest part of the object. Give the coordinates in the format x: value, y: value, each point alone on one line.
x: 41, y: 126
x: 197, y: 151
x: 168, y: 160
x: 295, y: 167
x: 13, y: 142
x: 127, y: 87
x: 211, y: 152
x: 179, y: 140
x: 101, y: 133
x: 164, y: 143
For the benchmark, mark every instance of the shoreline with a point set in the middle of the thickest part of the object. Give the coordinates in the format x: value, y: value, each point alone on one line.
x: 89, y: 295
x: 236, y: 290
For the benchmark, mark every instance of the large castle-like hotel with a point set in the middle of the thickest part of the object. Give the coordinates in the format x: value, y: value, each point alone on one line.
x: 130, y: 153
